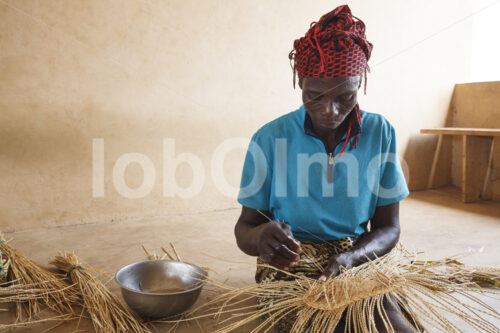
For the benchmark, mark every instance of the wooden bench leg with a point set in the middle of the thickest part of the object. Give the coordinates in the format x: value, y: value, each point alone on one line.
x: 430, y: 183
x: 476, y: 152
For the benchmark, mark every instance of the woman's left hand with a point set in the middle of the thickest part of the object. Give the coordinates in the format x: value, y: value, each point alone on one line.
x: 382, y: 237
x: 344, y: 259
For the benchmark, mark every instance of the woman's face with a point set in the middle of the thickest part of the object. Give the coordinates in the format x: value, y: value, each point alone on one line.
x: 328, y: 101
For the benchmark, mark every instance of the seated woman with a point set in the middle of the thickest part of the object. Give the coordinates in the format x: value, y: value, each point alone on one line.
x: 327, y: 174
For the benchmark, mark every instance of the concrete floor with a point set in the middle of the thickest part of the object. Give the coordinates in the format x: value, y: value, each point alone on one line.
x: 432, y: 221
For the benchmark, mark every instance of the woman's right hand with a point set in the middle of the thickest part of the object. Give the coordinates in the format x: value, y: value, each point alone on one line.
x: 277, y: 246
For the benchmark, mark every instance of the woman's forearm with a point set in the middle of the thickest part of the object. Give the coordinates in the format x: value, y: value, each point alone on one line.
x: 247, y: 237
x: 374, y: 244
x: 381, y: 239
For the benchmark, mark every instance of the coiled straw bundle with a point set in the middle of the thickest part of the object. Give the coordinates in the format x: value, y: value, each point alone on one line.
x: 426, y: 291
x: 31, y: 286
x: 107, y: 313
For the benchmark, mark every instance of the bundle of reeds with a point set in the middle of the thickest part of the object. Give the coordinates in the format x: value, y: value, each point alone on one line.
x: 32, y: 286
x: 484, y: 275
x: 426, y: 291
x: 107, y: 313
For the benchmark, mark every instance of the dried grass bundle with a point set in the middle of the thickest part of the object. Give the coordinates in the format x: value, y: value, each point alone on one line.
x: 13, y: 292
x: 33, y: 285
x: 427, y: 291
x: 484, y: 276
x: 107, y: 313
x: 60, y: 319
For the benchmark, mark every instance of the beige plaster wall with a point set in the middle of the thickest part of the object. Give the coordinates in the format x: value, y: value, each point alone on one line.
x: 200, y: 72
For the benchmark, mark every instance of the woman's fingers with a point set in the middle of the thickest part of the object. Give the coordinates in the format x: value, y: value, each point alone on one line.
x: 278, y: 256
x: 283, y: 249
x: 330, y: 271
x: 292, y: 244
x: 280, y: 262
x: 335, y: 262
x: 286, y: 238
x: 277, y: 245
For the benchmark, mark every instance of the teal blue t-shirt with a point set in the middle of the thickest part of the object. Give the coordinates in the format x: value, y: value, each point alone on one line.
x: 286, y: 173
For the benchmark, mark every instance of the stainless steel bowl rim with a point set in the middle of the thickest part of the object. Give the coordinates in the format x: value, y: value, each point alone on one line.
x: 197, y: 286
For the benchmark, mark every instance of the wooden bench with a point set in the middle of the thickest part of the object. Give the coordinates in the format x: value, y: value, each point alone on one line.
x: 477, y: 157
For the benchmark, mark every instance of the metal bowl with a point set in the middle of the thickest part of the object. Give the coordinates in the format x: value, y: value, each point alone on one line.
x: 160, y: 288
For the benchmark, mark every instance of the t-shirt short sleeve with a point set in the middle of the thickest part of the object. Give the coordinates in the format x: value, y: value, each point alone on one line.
x: 255, y: 186
x: 392, y: 186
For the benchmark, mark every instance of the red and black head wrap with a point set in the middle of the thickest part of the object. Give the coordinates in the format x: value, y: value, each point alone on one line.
x: 335, y: 46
